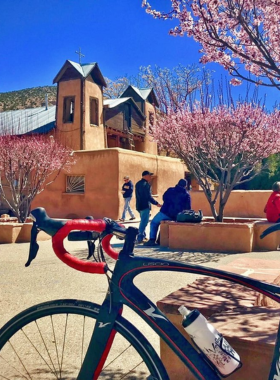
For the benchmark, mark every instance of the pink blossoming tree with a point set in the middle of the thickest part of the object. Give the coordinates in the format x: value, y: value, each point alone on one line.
x: 237, y: 34
x: 27, y: 165
x: 224, y: 146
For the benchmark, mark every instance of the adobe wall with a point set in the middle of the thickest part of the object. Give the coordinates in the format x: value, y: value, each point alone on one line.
x: 69, y: 134
x: 241, y: 203
x: 104, y: 171
x: 94, y: 137
x: 149, y: 145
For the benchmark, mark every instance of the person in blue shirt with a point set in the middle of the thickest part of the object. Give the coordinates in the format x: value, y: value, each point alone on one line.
x: 175, y: 200
x: 127, y: 191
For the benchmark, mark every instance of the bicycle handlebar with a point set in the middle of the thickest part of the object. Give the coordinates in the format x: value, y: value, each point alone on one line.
x: 59, y: 229
x: 66, y: 257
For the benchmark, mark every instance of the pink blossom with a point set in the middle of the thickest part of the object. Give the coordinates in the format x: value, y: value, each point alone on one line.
x: 235, y: 34
x: 235, y: 82
x: 27, y: 165
x: 225, y: 145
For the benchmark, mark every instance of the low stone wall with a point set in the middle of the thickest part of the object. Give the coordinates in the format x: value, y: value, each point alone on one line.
x: 250, y: 329
x: 241, y: 203
x: 230, y: 236
x: 18, y: 233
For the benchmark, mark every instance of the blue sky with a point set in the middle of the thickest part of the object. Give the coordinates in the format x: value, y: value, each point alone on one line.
x: 37, y: 36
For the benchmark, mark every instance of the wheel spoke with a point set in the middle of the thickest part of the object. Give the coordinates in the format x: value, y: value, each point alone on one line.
x: 131, y: 371
x: 83, y: 341
x: 11, y: 366
x: 37, y: 350
x: 64, y: 339
x: 48, y: 353
x: 56, y: 348
x: 49, y: 341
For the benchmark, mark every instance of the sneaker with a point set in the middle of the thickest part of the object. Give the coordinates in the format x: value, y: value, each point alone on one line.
x: 150, y: 243
x: 141, y: 241
x: 121, y: 220
x: 132, y: 218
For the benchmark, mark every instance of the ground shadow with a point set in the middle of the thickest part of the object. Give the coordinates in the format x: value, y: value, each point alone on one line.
x: 194, y: 257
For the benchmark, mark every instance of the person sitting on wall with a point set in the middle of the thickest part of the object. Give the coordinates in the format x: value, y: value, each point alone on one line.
x: 272, y: 207
x: 175, y: 200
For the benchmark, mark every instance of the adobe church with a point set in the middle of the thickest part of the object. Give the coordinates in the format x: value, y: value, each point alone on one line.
x: 110, y: 139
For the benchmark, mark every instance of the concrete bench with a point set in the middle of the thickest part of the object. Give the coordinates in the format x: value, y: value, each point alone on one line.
x: 235, y: 311
x: 250, y: 330
x: 270, y: 242
x: 18, y: 233
x: 231, y: 236
x: 209, y: 295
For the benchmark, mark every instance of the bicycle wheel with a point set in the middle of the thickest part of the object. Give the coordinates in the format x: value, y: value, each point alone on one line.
x: 48, y: 341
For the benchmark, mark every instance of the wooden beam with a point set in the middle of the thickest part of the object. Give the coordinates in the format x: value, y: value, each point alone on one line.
x: 111, y: 131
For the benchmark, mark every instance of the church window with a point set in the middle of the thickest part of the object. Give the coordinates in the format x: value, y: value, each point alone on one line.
x: 68, y: 109
x: 75, y: 184
x: 93, y: 113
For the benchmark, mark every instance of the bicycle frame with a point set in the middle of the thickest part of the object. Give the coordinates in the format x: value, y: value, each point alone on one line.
x: 122, y: 291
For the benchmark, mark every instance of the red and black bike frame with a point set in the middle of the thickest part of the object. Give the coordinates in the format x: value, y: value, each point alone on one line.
x: 122, y: 291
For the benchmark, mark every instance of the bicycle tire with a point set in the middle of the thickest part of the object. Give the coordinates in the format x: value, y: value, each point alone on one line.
x: 29, y: 352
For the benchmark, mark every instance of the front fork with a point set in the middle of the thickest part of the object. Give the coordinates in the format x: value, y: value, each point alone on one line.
x: 100, y: 342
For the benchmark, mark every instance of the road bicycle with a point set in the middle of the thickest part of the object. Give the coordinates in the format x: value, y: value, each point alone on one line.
x: 73, y: 339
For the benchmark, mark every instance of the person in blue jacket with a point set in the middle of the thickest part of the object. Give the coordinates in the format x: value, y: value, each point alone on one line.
x: 144, y: 200
x: 175, y: 200
x: 127, y: 191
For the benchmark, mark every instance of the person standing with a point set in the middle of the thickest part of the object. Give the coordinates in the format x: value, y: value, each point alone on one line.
x: 175, y: 200
x: 272, y: 207
x: 144, y: 200
x: 127, y: 190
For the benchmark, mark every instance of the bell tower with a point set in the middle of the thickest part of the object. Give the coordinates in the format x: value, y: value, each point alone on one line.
x: 79, y: 112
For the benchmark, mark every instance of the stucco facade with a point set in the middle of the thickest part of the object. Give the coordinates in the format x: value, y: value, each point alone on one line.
x: 93, y: 187
x: 110, y: 139
x: 241, y: 203
x: 103, y: 172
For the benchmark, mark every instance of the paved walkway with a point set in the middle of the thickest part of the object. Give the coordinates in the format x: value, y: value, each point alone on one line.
x: 47, y: 278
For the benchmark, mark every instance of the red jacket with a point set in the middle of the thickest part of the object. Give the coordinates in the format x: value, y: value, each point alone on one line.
x: 272, y: 208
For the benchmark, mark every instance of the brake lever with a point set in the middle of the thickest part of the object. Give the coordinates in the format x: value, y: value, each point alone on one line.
x: 34, y: 246
x: 114, y: 228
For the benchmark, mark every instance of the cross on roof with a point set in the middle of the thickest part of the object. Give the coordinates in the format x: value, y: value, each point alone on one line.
x: 80, y: 54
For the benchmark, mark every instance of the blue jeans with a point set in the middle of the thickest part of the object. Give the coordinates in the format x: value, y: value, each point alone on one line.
x: 144, y: 220
x: 127, y: 208
x: 155, y: 224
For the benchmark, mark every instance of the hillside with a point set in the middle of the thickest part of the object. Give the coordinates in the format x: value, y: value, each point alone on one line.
x: 27, y: 98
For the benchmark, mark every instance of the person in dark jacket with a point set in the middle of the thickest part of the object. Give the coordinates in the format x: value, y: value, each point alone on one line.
x: 272, y: 207
x: 127, y: 191
x: 144, y: 200
x: 175, y: 200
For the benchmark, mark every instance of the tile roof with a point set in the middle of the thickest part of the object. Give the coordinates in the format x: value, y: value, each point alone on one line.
x: 143, y: 92
x: 20, y: 122
x: 111, y: 103
x: 84, y: 69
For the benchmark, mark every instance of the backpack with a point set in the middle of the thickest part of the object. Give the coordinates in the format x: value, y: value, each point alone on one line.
x: 189, y: 216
